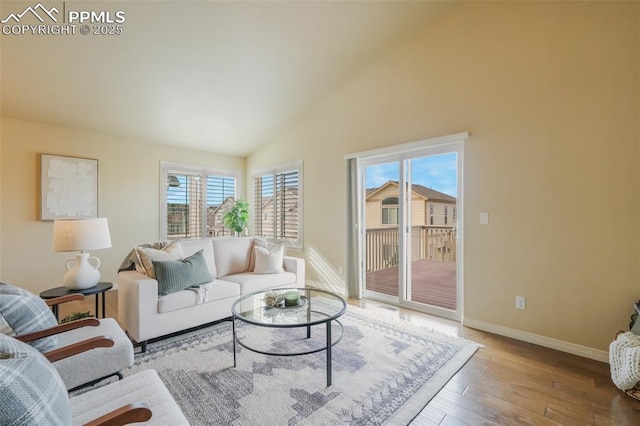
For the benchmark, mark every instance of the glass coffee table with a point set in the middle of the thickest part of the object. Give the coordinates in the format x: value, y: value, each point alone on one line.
x: 315, y: 307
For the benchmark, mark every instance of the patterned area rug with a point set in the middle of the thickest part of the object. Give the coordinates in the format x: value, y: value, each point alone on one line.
x: 384, y: 372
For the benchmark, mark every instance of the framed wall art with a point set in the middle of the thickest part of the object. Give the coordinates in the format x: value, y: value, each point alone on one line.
x: 68, y: 187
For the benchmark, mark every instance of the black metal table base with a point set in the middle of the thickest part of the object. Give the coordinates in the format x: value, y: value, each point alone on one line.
x: 327, y: 347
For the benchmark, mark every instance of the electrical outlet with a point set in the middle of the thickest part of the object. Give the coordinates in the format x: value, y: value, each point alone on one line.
x: 484, y: 218
x: 521, y: 302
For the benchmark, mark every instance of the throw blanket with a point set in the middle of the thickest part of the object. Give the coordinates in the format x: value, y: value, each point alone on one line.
x: 624, y: 358
x: 128, y: 264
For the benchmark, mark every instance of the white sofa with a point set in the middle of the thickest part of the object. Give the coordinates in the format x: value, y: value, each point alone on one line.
x: 146, y: 315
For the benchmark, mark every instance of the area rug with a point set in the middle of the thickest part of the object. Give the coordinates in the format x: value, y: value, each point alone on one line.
x: 384, y: 372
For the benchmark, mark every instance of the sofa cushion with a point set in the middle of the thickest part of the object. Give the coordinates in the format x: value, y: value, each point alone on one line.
x: 190, y: 246
x: 22, y: 312
x: 31, y: 391
x: 268, y: 260
x: 217, y: 290
x: 232, y: 254
x: 250, y: 282
x: 146, y: 256
x: 177, y: 275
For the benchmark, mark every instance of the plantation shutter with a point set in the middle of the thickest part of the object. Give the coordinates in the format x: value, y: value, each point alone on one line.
x: 185, y: 206
x: 286, y: 206
x: 277, y: 206
x: 221, y: 194
x: 264, y: 208
x: 195, y: 199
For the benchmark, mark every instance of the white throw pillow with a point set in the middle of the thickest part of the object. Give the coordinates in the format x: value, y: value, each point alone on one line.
x: 269, y: 260
x: 146, y: 256
x: 257, y: 242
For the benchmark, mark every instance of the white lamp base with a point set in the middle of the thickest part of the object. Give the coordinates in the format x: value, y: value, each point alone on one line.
x: 81, y: 273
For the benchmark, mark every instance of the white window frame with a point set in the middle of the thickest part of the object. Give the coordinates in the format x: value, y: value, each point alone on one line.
x: 167, y: 167
x: 389, y: 208
x: 275, y: 170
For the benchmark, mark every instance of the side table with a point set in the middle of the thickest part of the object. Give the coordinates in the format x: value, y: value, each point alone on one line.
x: 98, y: 289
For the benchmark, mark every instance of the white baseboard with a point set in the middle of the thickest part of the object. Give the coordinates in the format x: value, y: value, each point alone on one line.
x: 547, y: 342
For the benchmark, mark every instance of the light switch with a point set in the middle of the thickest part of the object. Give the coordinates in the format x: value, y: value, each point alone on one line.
x: 484, y: 218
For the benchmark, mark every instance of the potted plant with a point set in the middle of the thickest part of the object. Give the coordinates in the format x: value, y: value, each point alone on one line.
x: 237, y: 217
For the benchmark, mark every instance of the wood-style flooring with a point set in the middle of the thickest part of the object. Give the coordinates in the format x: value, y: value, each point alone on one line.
x: 433, y: 282
x: 508, y: 382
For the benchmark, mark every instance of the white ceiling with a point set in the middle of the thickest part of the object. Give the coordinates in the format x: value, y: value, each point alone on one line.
x: 215, y: 76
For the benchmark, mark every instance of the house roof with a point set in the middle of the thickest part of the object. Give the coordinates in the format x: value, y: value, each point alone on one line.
x: 423, y: 191
x: 224, y: 204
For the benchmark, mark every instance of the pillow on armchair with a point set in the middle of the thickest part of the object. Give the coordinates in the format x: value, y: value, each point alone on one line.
x: 31, y: 391
x: 22, y: 312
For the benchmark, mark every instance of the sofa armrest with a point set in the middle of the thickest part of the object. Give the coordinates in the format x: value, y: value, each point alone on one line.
x: 137, y: 301
x: 295, y: 265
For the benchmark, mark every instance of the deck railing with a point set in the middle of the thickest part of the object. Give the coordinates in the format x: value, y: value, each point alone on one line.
x: 427, y: 242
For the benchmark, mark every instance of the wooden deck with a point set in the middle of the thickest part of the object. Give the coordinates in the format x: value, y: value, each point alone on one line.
x: 433, y: 282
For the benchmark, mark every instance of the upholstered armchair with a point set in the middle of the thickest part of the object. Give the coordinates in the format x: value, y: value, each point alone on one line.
x: 29, y: 319
x: 32, y: 392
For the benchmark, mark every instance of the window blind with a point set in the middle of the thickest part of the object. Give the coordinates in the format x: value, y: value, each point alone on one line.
x: 184, y: 206
x: 277, y: 206
x: 195, y: 201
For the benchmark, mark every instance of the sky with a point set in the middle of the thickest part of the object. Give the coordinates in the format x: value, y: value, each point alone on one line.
x: 437, y: 172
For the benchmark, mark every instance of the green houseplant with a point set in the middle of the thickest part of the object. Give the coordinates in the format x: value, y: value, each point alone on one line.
x: 237, y: 217
x: 75, y: 316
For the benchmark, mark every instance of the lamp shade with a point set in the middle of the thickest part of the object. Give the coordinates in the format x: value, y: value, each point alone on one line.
x: 81, y: 234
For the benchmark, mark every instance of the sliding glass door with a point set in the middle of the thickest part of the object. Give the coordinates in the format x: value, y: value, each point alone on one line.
x: 382, y: 224
x: 410, y: 247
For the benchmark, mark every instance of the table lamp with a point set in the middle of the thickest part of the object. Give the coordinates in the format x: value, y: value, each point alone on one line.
x: 81, y: 235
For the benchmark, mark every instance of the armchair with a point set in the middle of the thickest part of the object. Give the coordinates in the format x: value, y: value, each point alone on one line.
x: 18, y: 307
x: 32, y: 392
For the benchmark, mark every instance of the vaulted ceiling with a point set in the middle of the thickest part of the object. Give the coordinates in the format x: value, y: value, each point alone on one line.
x: 215, y: 76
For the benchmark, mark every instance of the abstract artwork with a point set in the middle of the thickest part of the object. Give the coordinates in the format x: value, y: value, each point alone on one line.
x: 69, y: 187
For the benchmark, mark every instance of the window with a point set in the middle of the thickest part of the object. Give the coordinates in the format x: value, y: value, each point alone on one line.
x: 430, y: 214
x: 278, y: 203
x: 446, y: 214
x: 455, y: 214
x: 390, y: 211
x: 194, y: 200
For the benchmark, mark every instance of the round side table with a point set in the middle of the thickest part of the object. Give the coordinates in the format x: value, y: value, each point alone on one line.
x: 98, y: 289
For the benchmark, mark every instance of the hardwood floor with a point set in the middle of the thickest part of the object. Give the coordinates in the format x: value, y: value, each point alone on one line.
x: 506, y: 383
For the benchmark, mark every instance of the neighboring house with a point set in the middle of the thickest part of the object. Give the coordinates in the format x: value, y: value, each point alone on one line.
x: 428, y: 207
x: 433, y: 220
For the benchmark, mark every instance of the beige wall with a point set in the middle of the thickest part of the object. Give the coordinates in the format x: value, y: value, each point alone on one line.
x: 128, y: 185
x: 549, y: 94
x: 0, y: 196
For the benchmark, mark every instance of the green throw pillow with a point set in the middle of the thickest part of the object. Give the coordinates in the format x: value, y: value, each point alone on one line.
x: 176, y: 275
x: 31, y: 391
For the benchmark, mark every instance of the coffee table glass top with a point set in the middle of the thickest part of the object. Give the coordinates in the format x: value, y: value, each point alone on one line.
x: 316, y: 307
